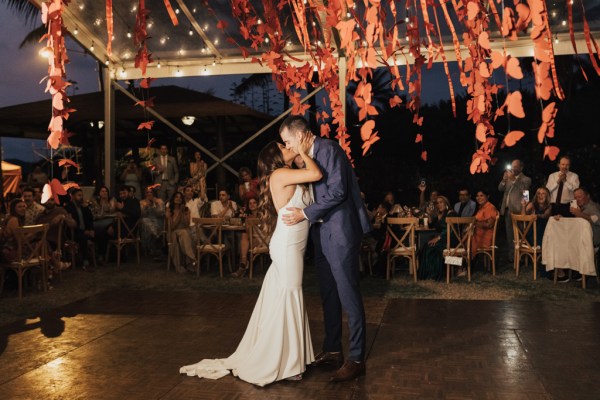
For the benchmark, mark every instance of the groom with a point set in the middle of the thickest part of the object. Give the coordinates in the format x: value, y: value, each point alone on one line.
x: 338, y: 221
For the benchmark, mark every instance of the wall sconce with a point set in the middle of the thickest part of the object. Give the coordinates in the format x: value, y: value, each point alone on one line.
x: 188, y: 120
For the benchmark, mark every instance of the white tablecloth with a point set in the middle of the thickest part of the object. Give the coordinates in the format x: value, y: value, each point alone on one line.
x: 568, y: 243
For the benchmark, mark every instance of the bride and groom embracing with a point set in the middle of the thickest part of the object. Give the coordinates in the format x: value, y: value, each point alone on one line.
x: 277, y: 343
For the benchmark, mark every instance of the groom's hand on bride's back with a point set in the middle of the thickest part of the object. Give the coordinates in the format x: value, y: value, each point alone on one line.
x: 293, y: 216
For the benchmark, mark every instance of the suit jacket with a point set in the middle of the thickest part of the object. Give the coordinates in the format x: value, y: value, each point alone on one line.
x: 513, y: 193
x: 337, y: 196
x: 468, y: 211
x: 172, y: 172
x: 88, y: 218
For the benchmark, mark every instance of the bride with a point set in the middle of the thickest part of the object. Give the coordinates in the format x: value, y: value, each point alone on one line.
x: 277, y: 343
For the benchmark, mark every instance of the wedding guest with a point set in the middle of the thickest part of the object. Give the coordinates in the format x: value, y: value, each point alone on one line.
x: 247, y: 186
x: 588, y: 210
x: 465, y: 206
x: 540, y: 206
x: 166, y: 173
x: 431, y: 259
x: 84, y: 229
x: 485, y: 218
x: 37, y: 178
x: 197, y: 180
x: 562, y: 184
x: 429, y: 206
x: 15, y: 219
x: 33, y: 209
x: 132, y: 176
x: 178, y: 217
x: 513, y: 183
x: 151, y: 222
x: 251, y: 211
x: 224, y: 207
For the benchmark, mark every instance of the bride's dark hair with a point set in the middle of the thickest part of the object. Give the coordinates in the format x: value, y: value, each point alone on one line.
x: 270, y: 158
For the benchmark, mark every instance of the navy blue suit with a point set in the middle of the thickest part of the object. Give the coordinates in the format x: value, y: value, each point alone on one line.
x: 338, y: 221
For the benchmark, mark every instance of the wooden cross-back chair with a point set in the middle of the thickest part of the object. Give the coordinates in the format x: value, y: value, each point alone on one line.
x: 259, y: 242
x: 459, y: 232
x: 32, y: 252
x: 524, y: 246
x: 489, y: 252
x: 402, y: 234
x: 209, y: 236
x: 126, y: 235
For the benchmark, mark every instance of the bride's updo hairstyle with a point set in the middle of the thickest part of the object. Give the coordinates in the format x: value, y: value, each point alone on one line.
x: 269, y: 159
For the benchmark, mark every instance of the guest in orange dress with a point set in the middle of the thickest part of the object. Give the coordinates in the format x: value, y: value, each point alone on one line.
x: 485, y: 217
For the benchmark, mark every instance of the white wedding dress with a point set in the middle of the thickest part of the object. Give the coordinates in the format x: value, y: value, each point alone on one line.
x: 277, y: 343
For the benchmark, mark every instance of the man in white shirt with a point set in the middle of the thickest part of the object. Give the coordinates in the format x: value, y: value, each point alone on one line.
x: 224, y: 207
x: 193, y: 204
x: 562, y: 184
x: 588, y: 210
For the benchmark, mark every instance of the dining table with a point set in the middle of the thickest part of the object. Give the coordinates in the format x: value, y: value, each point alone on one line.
x: 567, y: 244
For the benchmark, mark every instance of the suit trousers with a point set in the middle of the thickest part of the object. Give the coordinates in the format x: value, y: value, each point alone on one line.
x: 339, y: 278
x: 166, y: 191
x: 510, y: 235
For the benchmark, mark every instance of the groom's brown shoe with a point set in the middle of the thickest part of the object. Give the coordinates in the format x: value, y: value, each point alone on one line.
x: 349, y: 371
x: 330, y: 359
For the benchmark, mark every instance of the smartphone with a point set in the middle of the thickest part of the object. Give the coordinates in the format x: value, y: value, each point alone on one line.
x: 508, y: 167
x: 423, y: 182
x: 526, y: 195
x: 574, y: 204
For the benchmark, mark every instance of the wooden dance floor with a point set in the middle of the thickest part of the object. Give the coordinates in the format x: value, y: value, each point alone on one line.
x: 130, y: 345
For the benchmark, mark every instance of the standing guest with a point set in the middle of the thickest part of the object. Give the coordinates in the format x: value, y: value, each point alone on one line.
x: 151, y: 222
x: 247, y: 187
x: 37, y: 178
x: 485, y: 218
x: 224, y: 207
x: 166, y: 173
x: 513, y: 183
x: 431, y: 259
x: 178, y: 217
x: 132, y: 176
x: 33, y: 209
x: 465, y: 206
x: 562, y: 184
x: 84, y: 229
x: 198, y: 170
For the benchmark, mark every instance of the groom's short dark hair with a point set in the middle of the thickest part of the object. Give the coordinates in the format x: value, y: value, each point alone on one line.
x: 295, y: 123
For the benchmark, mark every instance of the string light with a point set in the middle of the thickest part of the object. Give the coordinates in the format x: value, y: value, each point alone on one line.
x: 92, y: 47
x: 177, y: 11
x: 194, y: 10
x: 178, y: 72
x: 123, y: 73
x: 133, y: 8
x: 106, y: 62
x: 191, y: 32
x: 45, y: 52
x: 214, y: 62
x: 129, y: 35
x: 563, y: 23
x: 216, y: 41
x: 76, y: 31
x: 266, y: 40
x: 81, y: 6
x: 158, y: 65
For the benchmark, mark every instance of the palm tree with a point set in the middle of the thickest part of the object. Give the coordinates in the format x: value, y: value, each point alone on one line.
x: 23, y: 9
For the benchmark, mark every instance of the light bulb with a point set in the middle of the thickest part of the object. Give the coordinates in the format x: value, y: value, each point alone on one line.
x: 92, y: 47
x: 76, y: 31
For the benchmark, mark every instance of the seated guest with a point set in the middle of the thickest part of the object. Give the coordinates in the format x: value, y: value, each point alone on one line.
x: 465, y: 206
x: 33, y: 209
x: 178, y: 217
x: 588, y: 210
x: 103, y: 209
x: 84, y: 228
x: 431, y: 259
x: 15, y: 219
x: 54, y: 215
x: 252, y: 212
x: 224, y: 207
x: 128, y: 207
x: 247, y: 187
x: 429, y: 207
x: 485, y: 218
x: 151, y: 222
x: 194, y: 204
x: 540, y: 206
